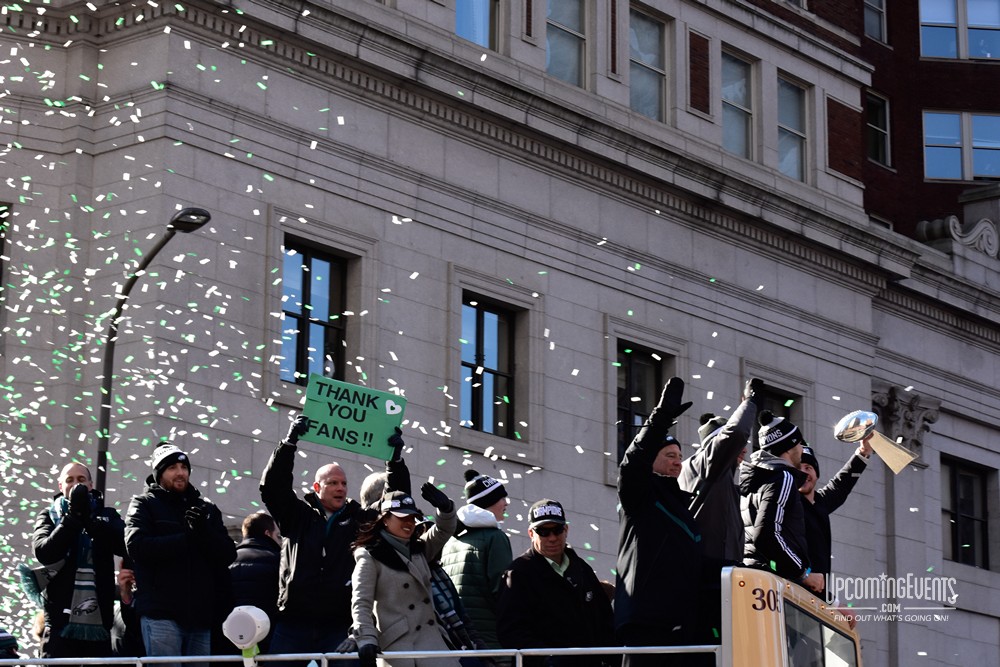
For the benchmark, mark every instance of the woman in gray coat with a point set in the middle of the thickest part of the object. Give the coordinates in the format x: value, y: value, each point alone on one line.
x: 392, y: 602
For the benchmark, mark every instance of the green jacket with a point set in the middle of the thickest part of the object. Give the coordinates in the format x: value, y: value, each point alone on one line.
x: 475, y: 558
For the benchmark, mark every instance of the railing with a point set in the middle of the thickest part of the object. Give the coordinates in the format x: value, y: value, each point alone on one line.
x: 322, y: 659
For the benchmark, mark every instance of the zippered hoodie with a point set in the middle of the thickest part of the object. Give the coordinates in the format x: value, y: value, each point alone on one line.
x: 773, y: 516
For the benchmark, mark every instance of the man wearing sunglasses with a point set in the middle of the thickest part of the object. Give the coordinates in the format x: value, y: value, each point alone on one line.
x: 551, y: 598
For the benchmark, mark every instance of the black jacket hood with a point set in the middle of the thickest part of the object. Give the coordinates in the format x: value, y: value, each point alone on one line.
x: 761, y: 467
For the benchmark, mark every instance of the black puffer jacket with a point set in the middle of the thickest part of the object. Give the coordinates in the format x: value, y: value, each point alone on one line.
x: 254, y: 574
x: 773, y: 516
x: 53, y: 543
x: 178, y: 573
x: 316, y: 558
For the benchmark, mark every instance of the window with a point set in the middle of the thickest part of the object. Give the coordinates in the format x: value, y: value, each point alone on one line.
x: 812, y: 642
x: 640, y: 381
x: 737, y: 106
x: 476, y: 21
x: 647, y: 75
x: 791, y: 130
x: 487, y: 399
x: 875, y: 19
x: 961, y: 146
x: 963, y: 512
x: 564, y: 40
x: 877, y: 131
x: 312, y: 330
x: 960, y: 28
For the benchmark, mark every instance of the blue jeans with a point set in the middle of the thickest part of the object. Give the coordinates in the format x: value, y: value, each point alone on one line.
x: 163, y: 637
x: 307, y: 637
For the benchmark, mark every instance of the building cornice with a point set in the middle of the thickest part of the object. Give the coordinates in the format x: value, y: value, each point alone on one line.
x: 570, y: 143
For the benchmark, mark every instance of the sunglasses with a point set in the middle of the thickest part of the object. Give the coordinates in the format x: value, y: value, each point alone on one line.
x: 554, y: 530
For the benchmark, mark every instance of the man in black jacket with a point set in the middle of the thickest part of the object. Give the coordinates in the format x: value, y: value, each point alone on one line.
x: 819, y: 504
x: 181, y: 551
x: 314, y: 594
x: 660, y: 560
x: 76, y: 538
x: 772, y: 507
x: 254, y: 574
x: 551, y: 598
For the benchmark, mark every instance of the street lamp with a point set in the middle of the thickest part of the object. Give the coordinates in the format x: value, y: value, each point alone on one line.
x: 186, y: 220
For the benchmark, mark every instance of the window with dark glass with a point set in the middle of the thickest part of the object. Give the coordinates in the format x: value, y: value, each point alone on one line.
x: 487, y: 396
x: 647, y: 75
x: 875, y: 19
x: 963, y: 512
x: 961, y: 146
x: 476, y: 21
x: 564, y: 40
x: 640, y: 381
x: 877, y: 111
x: 312, y: 327
x: 960, y: 28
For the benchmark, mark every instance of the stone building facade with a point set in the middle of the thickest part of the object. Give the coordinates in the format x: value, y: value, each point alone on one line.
x: 510, y: 233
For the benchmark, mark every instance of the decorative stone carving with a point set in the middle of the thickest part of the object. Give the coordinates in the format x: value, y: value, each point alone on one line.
x: 981, y: 236
x: 905, y: 416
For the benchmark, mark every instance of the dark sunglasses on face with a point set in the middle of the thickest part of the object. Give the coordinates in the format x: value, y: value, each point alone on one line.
x: 554, y: 530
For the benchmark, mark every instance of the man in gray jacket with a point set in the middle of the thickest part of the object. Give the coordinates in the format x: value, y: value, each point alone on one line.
x: 710, y: 476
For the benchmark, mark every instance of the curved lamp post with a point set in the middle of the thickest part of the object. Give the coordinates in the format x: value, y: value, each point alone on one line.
x: 186, y: 220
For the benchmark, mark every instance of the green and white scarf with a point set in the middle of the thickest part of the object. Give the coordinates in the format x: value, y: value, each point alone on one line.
x: 85, y: 621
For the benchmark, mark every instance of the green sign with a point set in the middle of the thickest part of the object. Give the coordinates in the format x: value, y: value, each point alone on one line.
x: 351, y: 417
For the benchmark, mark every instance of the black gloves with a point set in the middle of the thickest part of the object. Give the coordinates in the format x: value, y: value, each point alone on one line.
x: 436, y: 497
x: 366, y: 655
x: 79, y: 503
x: 753, y: 390
x: 396, y: 442
x: 298, y: 428
x: 196, y: 517
x: 670, y: 405
x: 347, y: 646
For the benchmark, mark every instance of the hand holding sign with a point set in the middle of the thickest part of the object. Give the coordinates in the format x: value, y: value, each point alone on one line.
x: 351, y: 417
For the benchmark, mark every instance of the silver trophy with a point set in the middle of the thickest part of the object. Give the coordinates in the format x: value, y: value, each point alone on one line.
x: 860, y: 425
x: 855, y: 426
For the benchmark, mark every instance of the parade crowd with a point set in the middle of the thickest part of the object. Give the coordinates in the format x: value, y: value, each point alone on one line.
x: 366, y: 576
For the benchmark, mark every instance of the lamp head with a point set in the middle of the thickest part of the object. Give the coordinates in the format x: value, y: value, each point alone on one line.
x: 189, y: 219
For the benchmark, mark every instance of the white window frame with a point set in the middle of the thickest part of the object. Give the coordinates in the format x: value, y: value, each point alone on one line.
x: 885, y: 132
x: 876, y: 8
